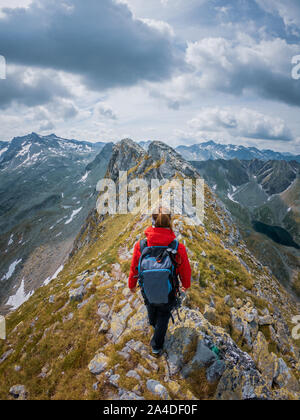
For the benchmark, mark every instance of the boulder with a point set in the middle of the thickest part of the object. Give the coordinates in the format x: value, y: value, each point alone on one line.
x: 98, y: 364
x: 104, y: 327
x: 265, y: 320
x: 237, y: 384
x: 228, y: 301
x: 118, y: 322
x: 215, y: 371
x: 209, y: 313
x: 245, y: 322
x: 103, y: 310
x: 178, y: 347
x: 157, y: 389
x: 133, y: 374
x: 19, y: 392
x: 76, y: 295
x: 203, y: 358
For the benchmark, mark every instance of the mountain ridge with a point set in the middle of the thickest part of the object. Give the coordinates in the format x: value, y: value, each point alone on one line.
x: 85, y: 336
x: 211, y: 150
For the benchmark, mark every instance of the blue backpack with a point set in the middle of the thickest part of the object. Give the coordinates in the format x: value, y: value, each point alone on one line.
x: 157, y: 273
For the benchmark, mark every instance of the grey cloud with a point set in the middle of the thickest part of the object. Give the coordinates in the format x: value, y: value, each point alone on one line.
x: 105, y: 111
x: 237, y: 68
x: 47, y: 126
x: 39, y: 90
x: 98, y: 40
x: 243, y: 122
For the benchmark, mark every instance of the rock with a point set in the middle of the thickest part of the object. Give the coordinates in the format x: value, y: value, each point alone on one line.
x: 126, y: 292
x: 178, y: 347
x: 6, y: 355
x: 98, y: 364
x: 51, y: 299
x: 212, y: 303
x: 228, y: 301
x: 157, y: 389
x: 19, y: 392
x: 264, y: 360
x: 103, y: 310
x: 118, y: 322
x: 76, y: 295
x: 124, y: 354
x: 114, y: 380
x: 104, y: 327
x: 209, y: 313
x: 68, y: 317
x: 283, y: 377
x: 142, y: 370
x: 237, y: 384
x: 85, y: 302
x: 245, y: 321
x: 215, y: 371
x: 133, y: 374
x: 203, y: 358
x: 273, y: 369
x: 239, y: 303
x: 265, y: 320
x: 128, y: 395
x: 139, y: 322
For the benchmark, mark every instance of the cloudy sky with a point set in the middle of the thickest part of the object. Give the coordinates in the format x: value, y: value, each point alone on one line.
x: 180, y: 71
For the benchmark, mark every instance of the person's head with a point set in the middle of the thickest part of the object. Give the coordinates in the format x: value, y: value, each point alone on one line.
x: 162, y: 218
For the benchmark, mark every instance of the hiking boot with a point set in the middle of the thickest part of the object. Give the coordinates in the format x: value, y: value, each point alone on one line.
x: 157, y: 353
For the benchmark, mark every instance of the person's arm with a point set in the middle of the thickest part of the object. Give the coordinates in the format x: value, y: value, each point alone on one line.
x: 184, y: 269
x: 132, y: 281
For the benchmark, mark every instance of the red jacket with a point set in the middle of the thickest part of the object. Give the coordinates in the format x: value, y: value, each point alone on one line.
x: 161, y: 237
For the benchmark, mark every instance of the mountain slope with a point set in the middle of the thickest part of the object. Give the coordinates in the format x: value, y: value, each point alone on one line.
x: 46, y: 194
x: 84, y: 336
x: 264, y: 194
x: 213, y: 151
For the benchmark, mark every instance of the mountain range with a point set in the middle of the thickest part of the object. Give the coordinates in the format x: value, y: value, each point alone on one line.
x: 47, y: 189
x: 264, y: 198
x: 212, y: 151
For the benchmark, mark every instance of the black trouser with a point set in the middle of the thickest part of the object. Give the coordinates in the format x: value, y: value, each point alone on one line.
x: 159, y: 317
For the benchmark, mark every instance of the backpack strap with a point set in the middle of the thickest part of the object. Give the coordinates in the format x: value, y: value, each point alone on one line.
x: 174, y: 245
x: 143, y: 245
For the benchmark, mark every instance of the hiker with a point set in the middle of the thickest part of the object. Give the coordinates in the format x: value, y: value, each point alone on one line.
x: 154, y: 260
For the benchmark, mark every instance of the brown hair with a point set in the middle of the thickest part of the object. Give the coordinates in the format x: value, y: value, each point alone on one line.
x: 162, y: 218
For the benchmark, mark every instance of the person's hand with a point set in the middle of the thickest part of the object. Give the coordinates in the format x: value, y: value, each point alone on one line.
x: 133, y: 290
x: 183, y: 289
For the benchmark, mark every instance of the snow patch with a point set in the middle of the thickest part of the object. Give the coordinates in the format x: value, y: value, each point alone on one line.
x: 19, y: 298
x: 232, y: 199
x: 11, y: 270
x: 10, y: 240
x: 55, y: 275
x: 84, y: 178
x: 74, y: 214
